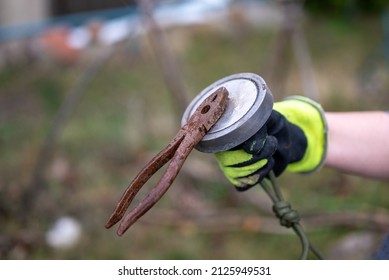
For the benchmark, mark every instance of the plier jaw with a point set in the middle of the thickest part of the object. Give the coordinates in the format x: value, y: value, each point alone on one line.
x: 204, y: 117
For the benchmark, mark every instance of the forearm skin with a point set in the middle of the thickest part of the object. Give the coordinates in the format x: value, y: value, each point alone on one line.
x: 358, y: 143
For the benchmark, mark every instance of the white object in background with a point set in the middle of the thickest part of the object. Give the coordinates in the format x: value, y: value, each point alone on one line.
x: 65, y: 233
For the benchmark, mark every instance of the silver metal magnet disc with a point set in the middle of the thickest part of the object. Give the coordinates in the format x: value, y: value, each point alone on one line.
x: 249, y: 106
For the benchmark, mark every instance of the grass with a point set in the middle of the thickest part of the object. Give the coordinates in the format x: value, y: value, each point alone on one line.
x: 126, y: 115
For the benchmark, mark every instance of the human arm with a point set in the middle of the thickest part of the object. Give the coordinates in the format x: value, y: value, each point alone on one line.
x: 353, y: 142
x: 358, y: 143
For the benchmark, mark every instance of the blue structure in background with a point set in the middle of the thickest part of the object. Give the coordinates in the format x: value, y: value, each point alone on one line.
x: 179, y: 11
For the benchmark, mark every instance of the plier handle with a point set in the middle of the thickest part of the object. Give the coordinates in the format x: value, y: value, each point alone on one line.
x: 205, y: 116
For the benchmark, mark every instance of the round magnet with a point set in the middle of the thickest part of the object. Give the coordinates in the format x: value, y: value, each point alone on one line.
x: 250, y: 103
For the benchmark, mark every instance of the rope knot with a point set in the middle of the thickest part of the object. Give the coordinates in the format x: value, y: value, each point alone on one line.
x: 284, y: 212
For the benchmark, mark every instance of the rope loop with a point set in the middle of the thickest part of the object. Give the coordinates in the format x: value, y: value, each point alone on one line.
x: 284, y: 212
x: 288, y: 217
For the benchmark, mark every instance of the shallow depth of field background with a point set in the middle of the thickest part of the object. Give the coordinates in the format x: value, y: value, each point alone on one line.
x: 126, y: 114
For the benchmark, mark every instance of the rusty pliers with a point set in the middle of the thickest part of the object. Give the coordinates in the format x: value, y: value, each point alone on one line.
x: 205, y: 116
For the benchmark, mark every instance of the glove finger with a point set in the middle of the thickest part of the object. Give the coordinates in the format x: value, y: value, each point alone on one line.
x: 247, y: 182
x: 256, y: 142
x: 232, y: 157
x: 233, y: 174
x: 275, y: 123
x: 227, y: 159
x: 269, y: 148
x: 277, y: 127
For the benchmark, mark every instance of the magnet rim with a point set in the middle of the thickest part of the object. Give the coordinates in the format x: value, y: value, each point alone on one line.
x: 229, y: 132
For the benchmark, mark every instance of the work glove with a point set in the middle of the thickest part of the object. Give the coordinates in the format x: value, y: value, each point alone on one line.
x: 294, y: 139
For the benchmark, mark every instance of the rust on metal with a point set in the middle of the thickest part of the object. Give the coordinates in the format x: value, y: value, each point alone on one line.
x: 205, y: 116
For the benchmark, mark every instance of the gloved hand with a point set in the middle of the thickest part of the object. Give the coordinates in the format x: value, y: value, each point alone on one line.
x: 294, y: 139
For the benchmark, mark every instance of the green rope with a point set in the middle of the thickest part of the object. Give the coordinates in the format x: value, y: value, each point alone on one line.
x: 288, y: 217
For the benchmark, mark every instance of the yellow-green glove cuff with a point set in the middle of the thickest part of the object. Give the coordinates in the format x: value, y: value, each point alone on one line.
x: 309, y: 116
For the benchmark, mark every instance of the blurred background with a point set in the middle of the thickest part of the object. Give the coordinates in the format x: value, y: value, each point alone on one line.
x: 91, y: 90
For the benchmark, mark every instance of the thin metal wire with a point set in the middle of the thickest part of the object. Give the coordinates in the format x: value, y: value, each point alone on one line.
x: 288, y: 217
